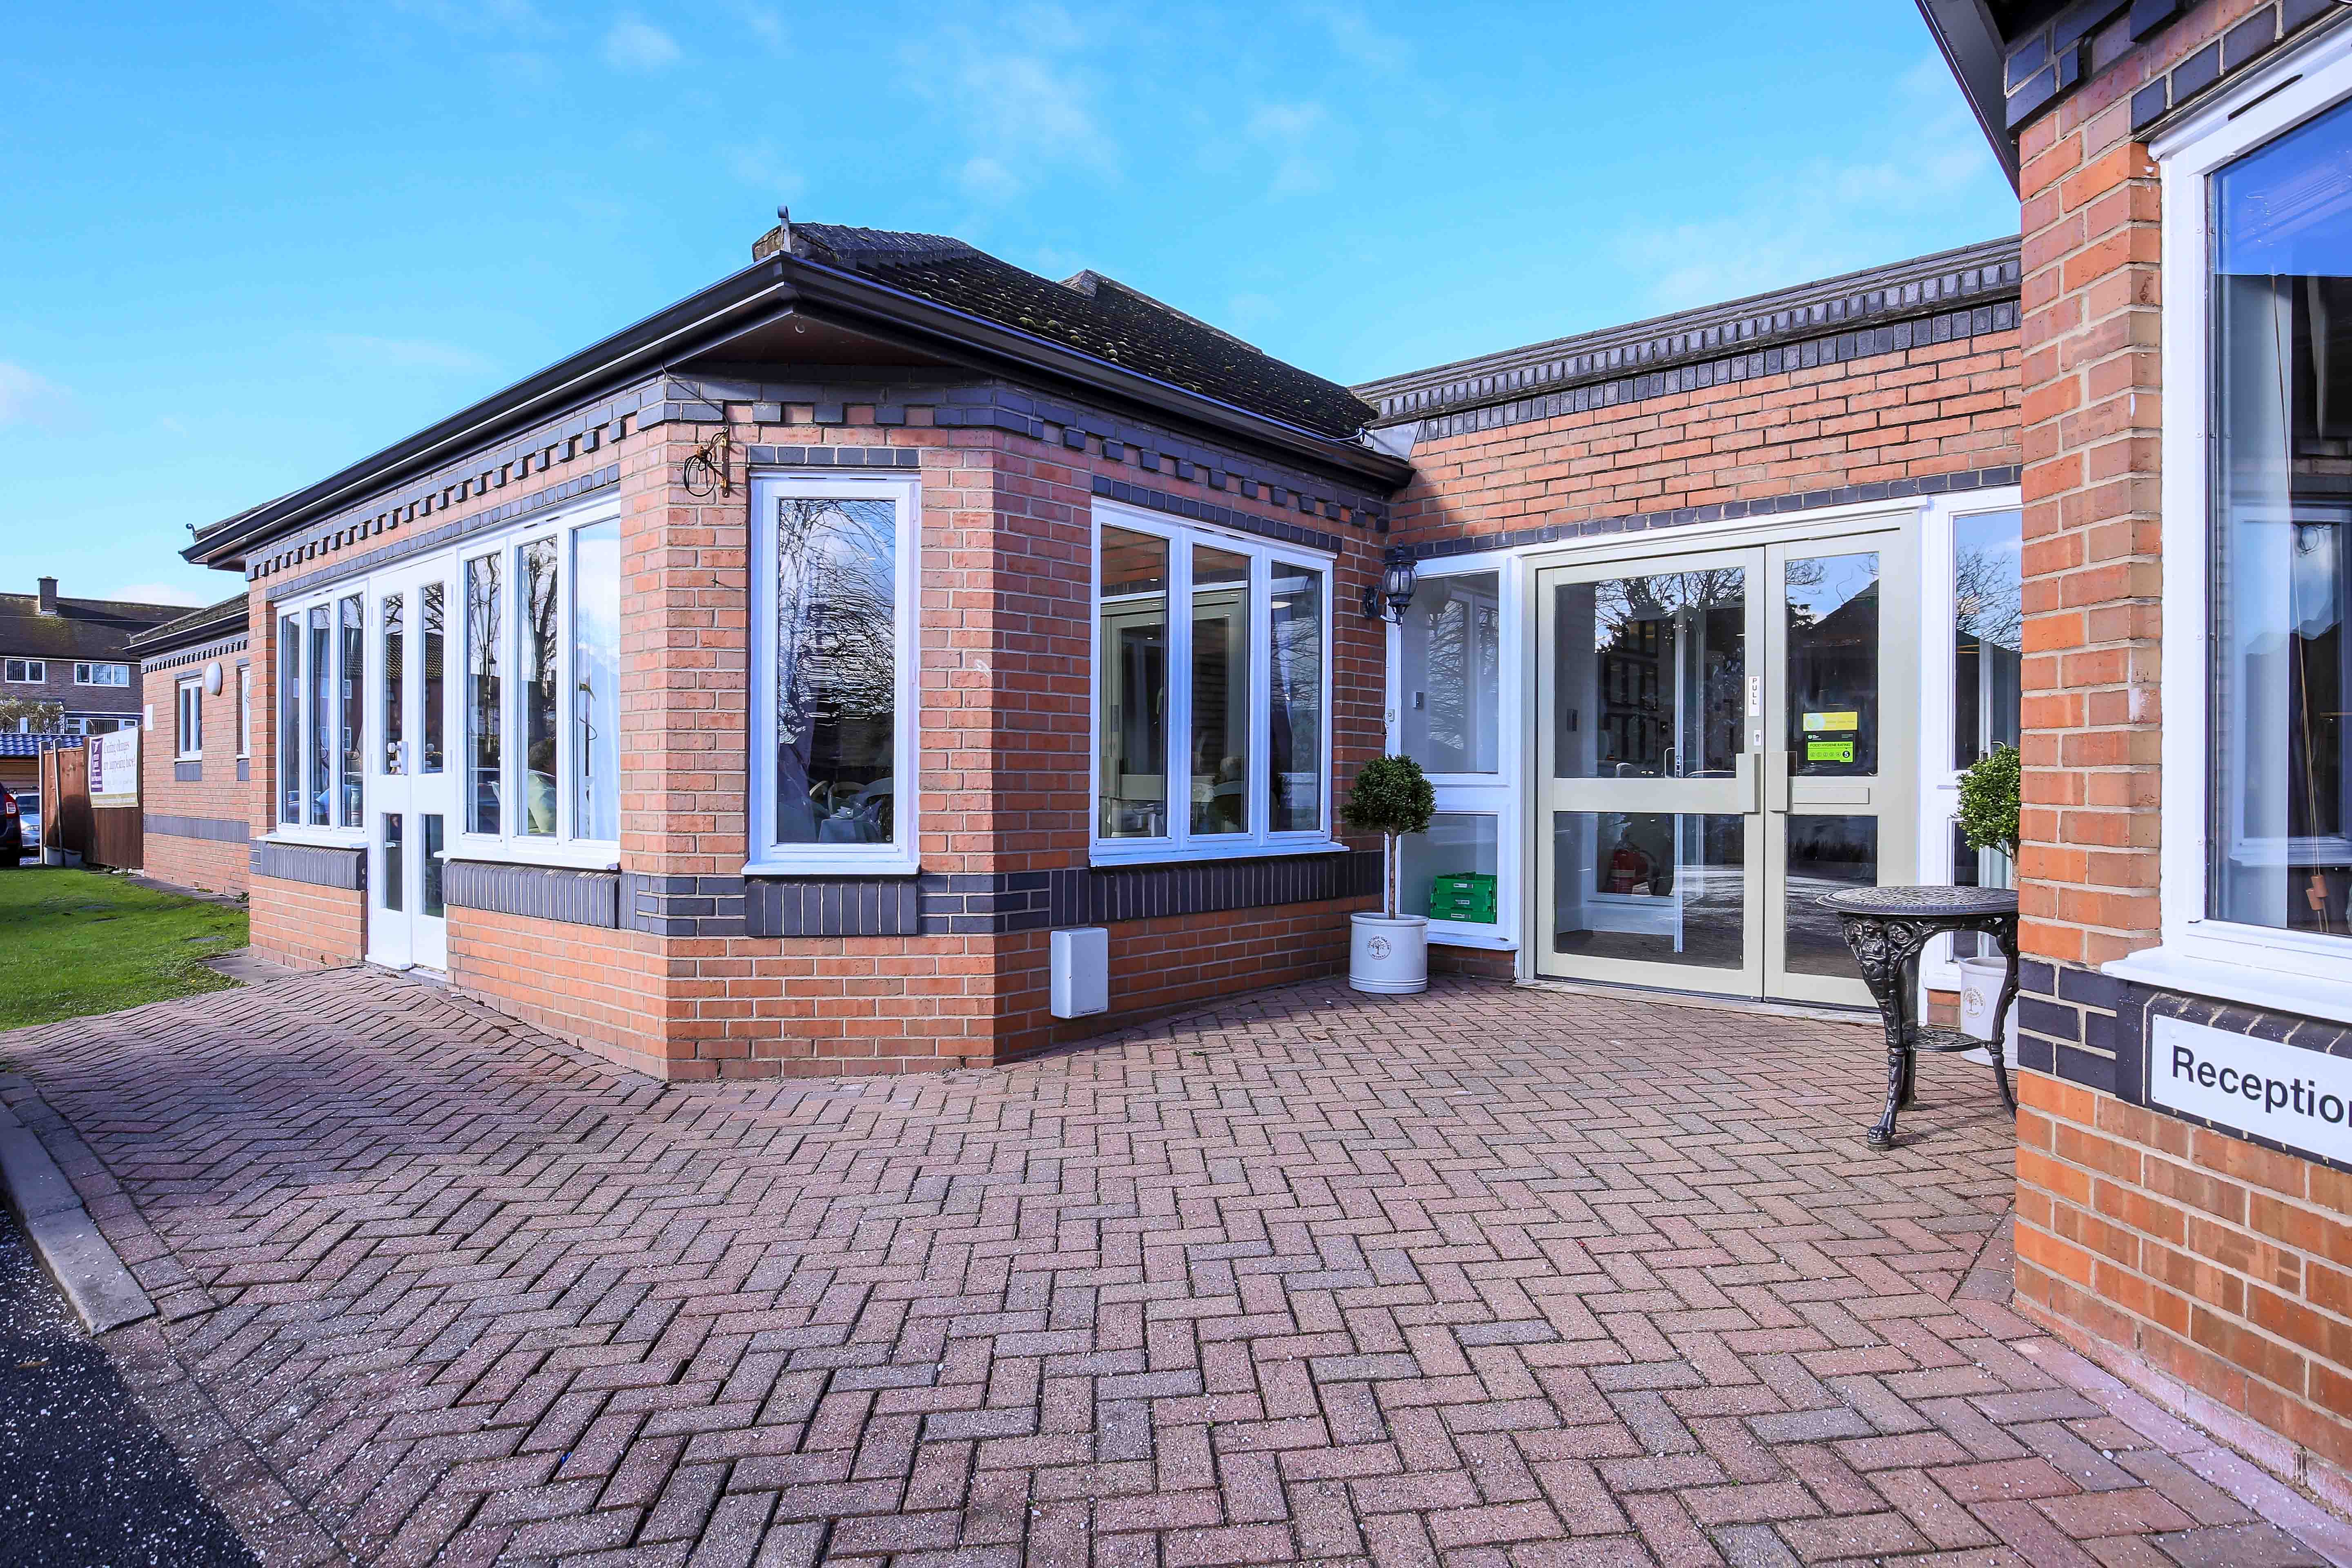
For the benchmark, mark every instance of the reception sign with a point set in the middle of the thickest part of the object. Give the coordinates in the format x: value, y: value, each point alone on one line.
x: 114, y: 769
x: 2297, y: 1098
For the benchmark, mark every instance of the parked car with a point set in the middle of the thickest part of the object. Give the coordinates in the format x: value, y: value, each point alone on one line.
x: 12, y: 830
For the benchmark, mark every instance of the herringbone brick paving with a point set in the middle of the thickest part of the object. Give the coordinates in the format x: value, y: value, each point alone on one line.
x: 1488, y: 1278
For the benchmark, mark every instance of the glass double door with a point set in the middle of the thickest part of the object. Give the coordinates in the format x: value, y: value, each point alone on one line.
x: 1723, y: 737
x: 414, y: 618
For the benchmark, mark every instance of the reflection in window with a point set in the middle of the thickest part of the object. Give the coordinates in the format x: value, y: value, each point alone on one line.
x: 596, y: 680
x: 351, y: 705
x: 1833, y: 626
x: 1650, y: 675
x: 1989, y: 620
x: 393, y: 856
x: 1449, y: 647
x: 431, y: 848
x: 320, y: 716
x: 1294, y: 714
x: 1221, y: 684
x: 1451, y: 872
x: 1651, y: 886
x: 483, y: 716
x: 431, y: 718
x: 1132, y: 685
x: 2281, y: 836
x: 836, y: 670
x: 537, y: 634
x: 1826, y: 855
x: 393, y: 682
x: 289, y: 720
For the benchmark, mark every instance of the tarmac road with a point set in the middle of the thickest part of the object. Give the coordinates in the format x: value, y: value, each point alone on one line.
x: 86, y: 1480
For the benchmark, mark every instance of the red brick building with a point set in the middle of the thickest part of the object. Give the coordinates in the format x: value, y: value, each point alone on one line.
x: 195, y: 760
x: 2185, y: 1168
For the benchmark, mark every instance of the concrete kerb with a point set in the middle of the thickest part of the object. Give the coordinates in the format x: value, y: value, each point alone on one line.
x: 63, y: 1235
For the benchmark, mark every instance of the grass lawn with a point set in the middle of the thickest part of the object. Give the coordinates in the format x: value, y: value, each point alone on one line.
x: 77, y: 942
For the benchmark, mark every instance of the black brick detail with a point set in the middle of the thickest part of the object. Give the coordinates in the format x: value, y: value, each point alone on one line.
x: 217, y: 830
x: 2198, y: 72
x: 244, y: 769
x: 450, y: 532
x: 846, y: 906
x: 834, y: 456
x: 537, y: 892
x: 2249, y: 40
x: 2149, y: 105
x: 315, y: 865
x: 1103, y: 895
x: 1205, y: 511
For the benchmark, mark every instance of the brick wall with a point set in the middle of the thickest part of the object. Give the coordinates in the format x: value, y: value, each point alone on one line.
x: 608, y: 990
x: 308, y: 927
x: 183, y: 816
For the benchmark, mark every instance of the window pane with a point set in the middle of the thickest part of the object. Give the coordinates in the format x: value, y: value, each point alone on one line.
x: 596, y: 680
x: 319, y: 716
x: 1826, y: 855
x: 431, y: 713
x: 1651, y: 675
x: 289, y: 720
x: 1451, y: 645
x: 353, y: 705
x: 2281, y: 834
x: 1451, y: 872
x: 1832, y: 612
x: 483, y: 715
x: 244, y: 710
x: 1132, y: 677
x: 1221, y: 691
x: 1648, y: 886
x: 396, y: 673
x: 431, y: 849
x: 1295, y: 716
x: 836, y: 670
x: 1988, y: 621
x: 392, y: 861
x: 540, y: 630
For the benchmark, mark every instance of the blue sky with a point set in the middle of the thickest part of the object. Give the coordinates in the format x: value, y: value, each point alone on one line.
x: 243, y: 245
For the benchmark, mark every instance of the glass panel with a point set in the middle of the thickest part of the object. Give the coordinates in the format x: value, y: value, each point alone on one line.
x: 836, y: 670
x: 1826, y: 855
x: 1650, y: 673
x: 1461, y: 847
x: 352, y: 705
x: 1988, y: 621
x: 1295, y: 716
x: 1221, y: 689
x: 2281, y: 834
x: 596, y: 681
x: 391, y: 860
x: 431, y: 822
x: 319, y: 716
x: 432, y: 716
x: 1833, y: 613
x: 245, y: 709
x: 483, y: 713
x: 1132, y: 685
x: 1655, y: 887
x: 1451, y: 652
x: 396, y: 673
x: 541, y: 629
x: 289, y: 720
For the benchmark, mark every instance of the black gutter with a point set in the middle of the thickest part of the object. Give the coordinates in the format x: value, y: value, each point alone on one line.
x: 1976, y: 55
x: 203, y: 625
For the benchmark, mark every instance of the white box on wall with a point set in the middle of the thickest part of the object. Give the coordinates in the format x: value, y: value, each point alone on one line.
x: 1080, y: 964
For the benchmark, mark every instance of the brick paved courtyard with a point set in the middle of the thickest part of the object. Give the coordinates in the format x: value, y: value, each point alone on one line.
x: 1491, y: 1277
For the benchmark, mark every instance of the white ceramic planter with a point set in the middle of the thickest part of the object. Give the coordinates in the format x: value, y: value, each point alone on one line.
x: 1981, y: 983
x: 1389, y: 957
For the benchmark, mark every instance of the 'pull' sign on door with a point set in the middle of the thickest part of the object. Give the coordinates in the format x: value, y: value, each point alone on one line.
x: 2301, y: 1100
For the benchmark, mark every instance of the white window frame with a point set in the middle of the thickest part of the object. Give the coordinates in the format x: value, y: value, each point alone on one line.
x: 1497, y: 794
x: 299, y: 609
x: 764, y: 856
x: 1179, y: 843
x: 509, y: 845
x: 2293, y: 971
x: 244, y: 711
x: 188, y: 718
x: 86, y: 673
x: 25, y: 671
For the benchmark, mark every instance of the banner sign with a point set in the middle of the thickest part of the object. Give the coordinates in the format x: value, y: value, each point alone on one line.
x: 114, y: 769
x: 2297, y: 1098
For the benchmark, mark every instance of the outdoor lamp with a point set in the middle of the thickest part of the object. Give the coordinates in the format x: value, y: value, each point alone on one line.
x: 1388, y: 599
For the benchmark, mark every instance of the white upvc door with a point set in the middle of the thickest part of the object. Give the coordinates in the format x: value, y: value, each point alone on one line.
x: 413, y: 619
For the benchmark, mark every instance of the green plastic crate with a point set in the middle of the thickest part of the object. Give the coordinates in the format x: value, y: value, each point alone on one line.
x: 1467, y: 897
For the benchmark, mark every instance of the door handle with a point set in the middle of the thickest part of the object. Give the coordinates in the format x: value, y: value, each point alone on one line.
x: 1749, y: 779
x: 1776, y: 780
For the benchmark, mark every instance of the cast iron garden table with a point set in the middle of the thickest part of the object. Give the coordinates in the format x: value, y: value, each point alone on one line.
x: 1887, y: 927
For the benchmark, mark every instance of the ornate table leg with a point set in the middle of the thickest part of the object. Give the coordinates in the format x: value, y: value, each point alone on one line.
x: 1883, y: 949
x: 2004, y: 931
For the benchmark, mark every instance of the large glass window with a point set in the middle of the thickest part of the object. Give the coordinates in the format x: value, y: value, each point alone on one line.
x: 352, y: 685
x: 290, y: 719
x: 1832, y: 632
x: 188, y: 733
x: 1451, y: 648
x: 484, y: 706
x: 430, y: 717
x: 245, y: 709
x: 2280, y: 782
x: 1988, y: 630
x: 596, y: 678
x: 1249, y: 693
x: 541, y: 636
x: 833, y: 659
x: 321, y: 713
x: 318, y: 714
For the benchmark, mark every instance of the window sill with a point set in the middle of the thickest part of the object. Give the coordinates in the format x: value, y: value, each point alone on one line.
x: 2271, y: 989
x: 1447, y: 934
x: 888, y: 863
x: 318, y: 837
x: 1159, y: 853
x: 553, y: 856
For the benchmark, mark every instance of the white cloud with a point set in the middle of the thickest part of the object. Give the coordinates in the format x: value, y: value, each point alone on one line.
x: 27, y: 398
x: 158, y: 594
x: 1021, y: 97
x: 986, y: 180
x: 1297, y: 133
x: 767, y: 26
x: 634, y: 45
x: 1829, y: 218
x: 406, y: 354
x: 1354, y: 38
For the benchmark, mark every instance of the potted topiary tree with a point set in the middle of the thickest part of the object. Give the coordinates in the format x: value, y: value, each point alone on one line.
x: 1989, y: 799
x: 1389, y: 952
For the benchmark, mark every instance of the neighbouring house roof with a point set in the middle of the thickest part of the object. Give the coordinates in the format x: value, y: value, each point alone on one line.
x: 195, y: 626
x: 15, y: 745
x: 912, y: 299
x: 1876, y: 296
x: 99, y: 629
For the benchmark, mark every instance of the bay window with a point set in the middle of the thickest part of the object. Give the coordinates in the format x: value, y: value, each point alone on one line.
x: 833, y: 671
x: 1451, y: 682
x: 1239, y: 676
x: 319, y: 672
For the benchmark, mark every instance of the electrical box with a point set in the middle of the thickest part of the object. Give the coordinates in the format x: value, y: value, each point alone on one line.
x: 1080, y: 962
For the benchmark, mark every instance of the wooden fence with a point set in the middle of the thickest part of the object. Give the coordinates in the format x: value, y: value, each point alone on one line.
x: 106, y: 835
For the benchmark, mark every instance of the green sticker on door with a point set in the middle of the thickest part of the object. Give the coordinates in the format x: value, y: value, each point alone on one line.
x: 1848, y: 719
x: 1828, y: 750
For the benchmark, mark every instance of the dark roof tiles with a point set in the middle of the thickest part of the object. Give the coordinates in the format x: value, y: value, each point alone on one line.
x: 82, y: 629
